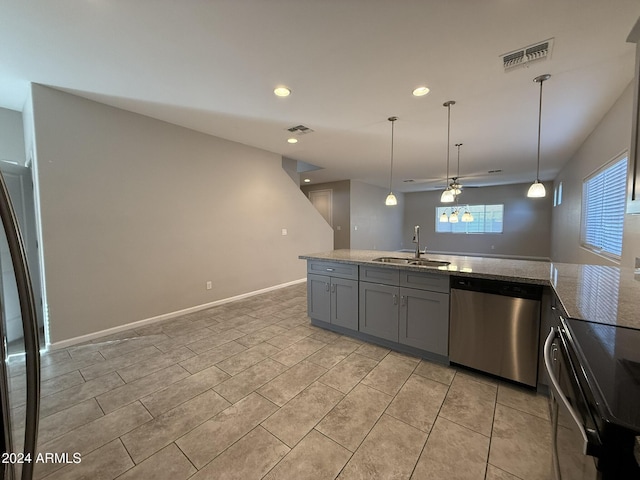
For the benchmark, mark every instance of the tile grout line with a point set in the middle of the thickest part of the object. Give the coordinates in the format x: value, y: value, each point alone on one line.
x: 433, y: 425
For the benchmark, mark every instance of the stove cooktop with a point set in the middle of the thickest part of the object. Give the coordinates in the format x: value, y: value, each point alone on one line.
x: 612, y: 361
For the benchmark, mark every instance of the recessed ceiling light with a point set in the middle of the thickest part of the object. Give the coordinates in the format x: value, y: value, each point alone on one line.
x: 292, y: 140
x: 307, y: 180
x: 420, y: 91
x: 282, y: 92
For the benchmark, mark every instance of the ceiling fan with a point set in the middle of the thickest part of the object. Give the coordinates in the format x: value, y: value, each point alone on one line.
x: 452, y: 182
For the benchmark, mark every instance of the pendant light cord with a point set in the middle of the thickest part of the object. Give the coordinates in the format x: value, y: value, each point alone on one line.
x: 448, y: 105
x: 540, y: 79
x: 393, y: 121
x: 539, y: 132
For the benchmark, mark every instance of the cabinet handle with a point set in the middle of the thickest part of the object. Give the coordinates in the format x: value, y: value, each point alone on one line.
x: 330, y: 269
x: 333, y: 288
x: 326, y: 285
x: 402, y: 300
x: 553, y: 307
x: 395, y: 299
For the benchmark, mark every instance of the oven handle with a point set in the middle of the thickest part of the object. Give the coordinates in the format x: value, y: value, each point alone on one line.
x: 558, y: 392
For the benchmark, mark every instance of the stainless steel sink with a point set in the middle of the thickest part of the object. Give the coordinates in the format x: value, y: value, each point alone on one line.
x: 420, y: 262
x: 425, y: 262
x: 396, y: 260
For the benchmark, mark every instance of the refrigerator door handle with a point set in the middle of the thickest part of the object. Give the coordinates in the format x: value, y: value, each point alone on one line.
x: 29, y: 325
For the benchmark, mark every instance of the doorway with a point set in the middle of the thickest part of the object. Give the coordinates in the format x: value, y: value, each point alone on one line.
x: 20, y: 185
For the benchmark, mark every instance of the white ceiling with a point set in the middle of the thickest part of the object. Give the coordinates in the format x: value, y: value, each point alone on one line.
x: 212, y: 66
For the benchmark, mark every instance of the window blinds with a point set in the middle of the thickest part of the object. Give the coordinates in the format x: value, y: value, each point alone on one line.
x: 603, y: 206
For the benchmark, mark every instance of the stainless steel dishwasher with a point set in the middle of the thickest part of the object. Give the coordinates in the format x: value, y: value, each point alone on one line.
x: 495, y: 327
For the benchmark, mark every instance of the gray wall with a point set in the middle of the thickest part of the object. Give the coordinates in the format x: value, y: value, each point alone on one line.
x: 341, y: 209
x: 527, y: 223
x: 611, y: 137
x: 375, y: 226
x: 11, y: 136
x: 137, y: 215
x: 290, y: 166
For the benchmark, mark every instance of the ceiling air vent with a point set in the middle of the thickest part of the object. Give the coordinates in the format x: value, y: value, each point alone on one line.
x: 526, y: 55
x: 299, y: 130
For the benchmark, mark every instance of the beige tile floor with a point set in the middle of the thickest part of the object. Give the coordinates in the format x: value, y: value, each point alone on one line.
x: 251, y: 389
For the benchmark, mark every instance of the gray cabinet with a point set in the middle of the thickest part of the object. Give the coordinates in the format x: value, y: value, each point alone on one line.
x: 333, y: 299
x: 424, y: 320
x: 407, y: 307
x: 319, y: 297
x: 633, y: 200
x: 379, y: 310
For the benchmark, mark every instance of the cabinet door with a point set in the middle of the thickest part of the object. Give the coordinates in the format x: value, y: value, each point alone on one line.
x: 344, y: 303
x: 424, y: 320
x: 633, y: 199
x: 379, y: 310
x: 319, y: 297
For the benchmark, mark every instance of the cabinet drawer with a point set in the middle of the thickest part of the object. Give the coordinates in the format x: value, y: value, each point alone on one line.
x: 433, y: 282
x: 387, y: 276
x: 334, y: 269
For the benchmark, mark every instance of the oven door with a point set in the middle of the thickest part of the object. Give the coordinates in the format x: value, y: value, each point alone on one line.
x: 573, y: 433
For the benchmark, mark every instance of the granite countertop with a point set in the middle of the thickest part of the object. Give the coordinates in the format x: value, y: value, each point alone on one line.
x: 596, y: 293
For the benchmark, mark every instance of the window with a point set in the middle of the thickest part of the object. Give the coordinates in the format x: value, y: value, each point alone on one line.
x: 557, y: 195
x: 603, y: 206
x: 486, y: 219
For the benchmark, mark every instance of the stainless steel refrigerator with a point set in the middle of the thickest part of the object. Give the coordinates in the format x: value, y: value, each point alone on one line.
x: 19, y: 351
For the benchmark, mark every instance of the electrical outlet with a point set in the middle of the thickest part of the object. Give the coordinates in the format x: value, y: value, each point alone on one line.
x: 209, y: 285
x: 284, y: 231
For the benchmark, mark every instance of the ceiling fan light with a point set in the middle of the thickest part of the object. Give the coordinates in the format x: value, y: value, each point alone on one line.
x: 447, y: 196
x: 391, y: 200
x: 444, y: 218
x: 536, y: 190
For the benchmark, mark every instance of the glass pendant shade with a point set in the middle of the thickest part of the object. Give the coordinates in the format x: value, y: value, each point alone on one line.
x: 454, y: 217
x: 536, y: 190
x: 391, y: 200
x: 467, y: 217
x: 447, y: 196
x: 444, y: 218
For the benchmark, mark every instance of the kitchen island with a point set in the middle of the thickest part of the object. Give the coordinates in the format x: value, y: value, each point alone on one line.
x: 594, y: 293
x: 588, y: 315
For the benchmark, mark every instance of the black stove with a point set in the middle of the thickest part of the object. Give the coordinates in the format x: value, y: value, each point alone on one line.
x: 607, y: 359
x: 610, y: 357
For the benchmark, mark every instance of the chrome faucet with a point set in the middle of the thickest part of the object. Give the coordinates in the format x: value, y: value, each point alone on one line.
x: 416, y: 239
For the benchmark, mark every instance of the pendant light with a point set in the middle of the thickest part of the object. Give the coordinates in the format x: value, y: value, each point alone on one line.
x: 448, y: 196
x: 537, y: 190
x: 391, y: 198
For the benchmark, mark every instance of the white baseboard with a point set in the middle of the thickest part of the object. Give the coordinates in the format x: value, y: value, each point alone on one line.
x: 166, y: 316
